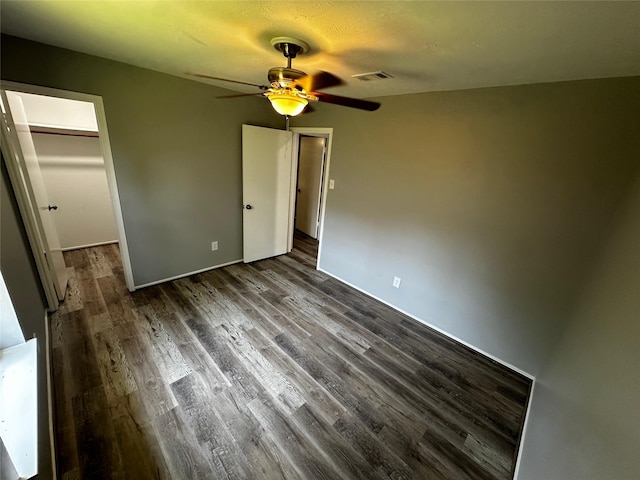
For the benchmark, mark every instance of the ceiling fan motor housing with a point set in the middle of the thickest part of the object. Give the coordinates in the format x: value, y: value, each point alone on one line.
x: 284, y: 76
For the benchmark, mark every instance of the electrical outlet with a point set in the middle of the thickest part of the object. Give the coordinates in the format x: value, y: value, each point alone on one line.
x: 396, y: 282
x: 214, y: 246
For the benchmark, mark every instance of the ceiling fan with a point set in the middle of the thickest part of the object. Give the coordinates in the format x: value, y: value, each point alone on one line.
x: 291, y: 90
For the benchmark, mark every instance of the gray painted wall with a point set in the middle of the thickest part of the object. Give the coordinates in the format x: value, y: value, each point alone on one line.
x: 23, y: 283
x: 494, y: 207
x: 586, y: 420
x: 176, y: 152
x: 490, y: 204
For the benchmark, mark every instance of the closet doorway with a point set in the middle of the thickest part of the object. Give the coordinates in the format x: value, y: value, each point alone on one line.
x: 67, y: 145
x: 66, y: 134
x: 312, y: 155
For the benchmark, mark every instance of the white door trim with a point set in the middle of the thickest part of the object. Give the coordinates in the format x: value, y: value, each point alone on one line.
x: 30, y: 178
x: 105, y: 147
x: 313, y: 132
x: 10, y: 149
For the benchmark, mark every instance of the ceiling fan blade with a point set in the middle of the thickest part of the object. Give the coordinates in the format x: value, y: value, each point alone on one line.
x: 347, y: 101
x: 317, y: 81
x: 242, y: 95
x: 209, y: 77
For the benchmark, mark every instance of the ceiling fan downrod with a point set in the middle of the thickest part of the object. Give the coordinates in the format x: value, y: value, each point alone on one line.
x: 290, y: 47
x: 289, y: 50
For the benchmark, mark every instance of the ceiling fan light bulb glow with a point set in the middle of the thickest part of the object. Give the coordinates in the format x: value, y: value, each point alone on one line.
x: 287, y: 104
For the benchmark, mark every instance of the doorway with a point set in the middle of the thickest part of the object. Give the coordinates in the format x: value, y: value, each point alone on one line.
x: 311, y: 152
x: 67, y: 146
x: 312, y: 180
x: 269, y: 190
x: 87, y: 137
x: 311, y: 161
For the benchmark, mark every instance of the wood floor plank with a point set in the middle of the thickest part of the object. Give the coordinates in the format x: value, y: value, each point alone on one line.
x: 183, y: 307
x: 333, y: 383
x: 265, y: 458
x: 117, y: 378
x: 139, y: 450
x: 95, y: 432
x: 180, y: 450
x: 372, y: 449
x: 151, y: 385
x: 73, y: 300
x: 270, y: 378
x: 65, y: 427
x: 244, y: 385
x: 300, y: 452
x: 335, y: 449
x: 324, y: 403
x: 166, y: 354
x: 98, y: 262
x: 194, y: 354
x: 266, y: 371
x: 224, y: 455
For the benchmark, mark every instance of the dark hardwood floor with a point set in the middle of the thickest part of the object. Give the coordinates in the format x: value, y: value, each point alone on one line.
x: 267, y: 371
x: 306, y: 245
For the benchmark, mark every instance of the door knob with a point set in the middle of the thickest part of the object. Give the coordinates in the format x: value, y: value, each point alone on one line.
x: 248, y: 207
x: 52, y: 207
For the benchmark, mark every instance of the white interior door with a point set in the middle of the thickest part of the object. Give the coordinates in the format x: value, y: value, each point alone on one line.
x: 27, y: 162
x: 266, y: 191
x: 310, y: 166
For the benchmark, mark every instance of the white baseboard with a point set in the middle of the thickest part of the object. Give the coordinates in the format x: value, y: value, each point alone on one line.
x: 472, y: 347
x: 66, y: 249
x: 516, y: 471
x: 182, y: 275
x: 447, y: 334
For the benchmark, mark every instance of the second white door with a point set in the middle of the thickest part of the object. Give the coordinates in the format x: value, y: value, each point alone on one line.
x: 266, y: 191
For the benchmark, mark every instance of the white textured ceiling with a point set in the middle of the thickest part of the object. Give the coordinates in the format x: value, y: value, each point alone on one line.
x: 426, y: 46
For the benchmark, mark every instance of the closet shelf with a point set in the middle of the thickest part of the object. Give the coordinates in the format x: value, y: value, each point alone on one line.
x: 50, y: 130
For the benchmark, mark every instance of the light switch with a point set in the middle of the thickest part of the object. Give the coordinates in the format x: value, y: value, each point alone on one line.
x: 332, y: 184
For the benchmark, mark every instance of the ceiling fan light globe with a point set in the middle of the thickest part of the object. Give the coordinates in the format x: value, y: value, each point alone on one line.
x: 286, y: 104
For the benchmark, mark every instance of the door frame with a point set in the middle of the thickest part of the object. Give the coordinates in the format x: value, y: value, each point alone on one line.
x: 326, y: 133
x: 317, y: 184
x: 30, y: 176
x: 21, y: 194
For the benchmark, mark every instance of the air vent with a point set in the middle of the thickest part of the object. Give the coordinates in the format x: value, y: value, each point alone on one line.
x: 372, y: 76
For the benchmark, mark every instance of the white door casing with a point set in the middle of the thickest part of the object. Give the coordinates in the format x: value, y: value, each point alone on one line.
x: 29, y: 168
x: 266, y: 191
x: 68, y: 148
x: 327, y: 133
x: 27, y: 218
x: 310, y: 167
